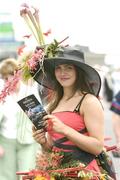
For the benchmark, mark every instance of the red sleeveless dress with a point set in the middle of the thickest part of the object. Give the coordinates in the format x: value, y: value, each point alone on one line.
x: 74, y: 120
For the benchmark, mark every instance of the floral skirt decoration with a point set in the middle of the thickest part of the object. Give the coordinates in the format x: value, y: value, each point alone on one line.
x: 49, y: 167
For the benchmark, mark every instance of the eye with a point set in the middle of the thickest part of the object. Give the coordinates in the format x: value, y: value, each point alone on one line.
x: 57, y: 67
x: 70, y: 67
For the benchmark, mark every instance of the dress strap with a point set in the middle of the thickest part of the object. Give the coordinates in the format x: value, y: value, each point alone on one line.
x: 64, y: 139
x: 77, y: 108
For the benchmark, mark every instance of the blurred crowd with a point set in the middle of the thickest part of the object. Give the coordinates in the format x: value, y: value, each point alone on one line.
x: 16, y: 142
x: 110, y: 95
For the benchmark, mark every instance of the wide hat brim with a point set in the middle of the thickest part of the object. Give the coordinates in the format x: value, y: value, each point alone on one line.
x: 49, y: 65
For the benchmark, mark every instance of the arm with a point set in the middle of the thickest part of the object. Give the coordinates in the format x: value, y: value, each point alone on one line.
x: 42, y: 138
x: 48, y: 143
x: 1, y: 151
x: 92, y: 112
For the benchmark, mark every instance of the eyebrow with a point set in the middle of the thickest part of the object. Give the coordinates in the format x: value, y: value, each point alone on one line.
x: 64, y: 65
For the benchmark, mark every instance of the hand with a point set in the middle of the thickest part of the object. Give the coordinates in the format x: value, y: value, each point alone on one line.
x: 1, y: 151
x: 118, y: 146
x: 56, y: 124
x: 39, y: 135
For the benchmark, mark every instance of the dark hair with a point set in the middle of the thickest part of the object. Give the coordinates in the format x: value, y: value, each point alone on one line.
x: 82, y: 84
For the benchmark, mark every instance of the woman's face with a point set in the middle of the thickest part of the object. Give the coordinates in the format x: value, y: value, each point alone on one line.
x: 66, y: 75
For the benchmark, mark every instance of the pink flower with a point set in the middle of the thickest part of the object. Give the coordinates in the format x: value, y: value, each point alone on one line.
x: 10, y: 85
x: 20, y: 49
x: 32, y: 20
x: 27, y: 36
x: 1, y: 151
x: 47, y: 33
x: 37, y: 57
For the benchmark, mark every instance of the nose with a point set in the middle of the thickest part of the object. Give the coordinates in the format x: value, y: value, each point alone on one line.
x: 63, y: 71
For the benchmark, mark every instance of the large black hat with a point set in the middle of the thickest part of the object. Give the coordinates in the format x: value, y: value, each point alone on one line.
x: 68, y: 55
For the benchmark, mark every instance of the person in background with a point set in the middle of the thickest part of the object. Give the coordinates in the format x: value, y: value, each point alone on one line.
x: 1, y: 149
x: 115, y: 109
x: 73, y: 108
x: 108, y: 87
x: 16, y: 138
x: 116, y: 80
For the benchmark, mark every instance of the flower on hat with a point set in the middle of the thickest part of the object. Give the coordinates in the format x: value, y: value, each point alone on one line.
x: 31, y: 17
x: 30, y: 62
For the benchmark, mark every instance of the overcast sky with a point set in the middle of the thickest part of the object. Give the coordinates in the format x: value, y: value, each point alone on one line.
x: 93, y: 23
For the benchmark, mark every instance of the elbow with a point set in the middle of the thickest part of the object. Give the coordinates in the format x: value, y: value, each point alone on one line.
x: 99, y: 148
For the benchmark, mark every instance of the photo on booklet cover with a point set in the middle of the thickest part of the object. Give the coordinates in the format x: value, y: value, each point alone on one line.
x: 34, y: 110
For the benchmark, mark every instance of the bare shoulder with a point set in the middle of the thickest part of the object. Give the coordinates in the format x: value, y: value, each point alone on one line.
x: 91, y: 98
x: 91, y: 101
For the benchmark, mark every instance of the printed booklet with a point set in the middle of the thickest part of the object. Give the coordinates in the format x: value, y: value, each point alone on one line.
x: 33, y: 109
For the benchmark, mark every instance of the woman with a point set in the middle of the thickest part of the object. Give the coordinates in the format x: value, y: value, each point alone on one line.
x: 73, y: 109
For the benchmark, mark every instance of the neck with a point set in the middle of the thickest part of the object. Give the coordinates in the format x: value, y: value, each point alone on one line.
x: 68, y: 93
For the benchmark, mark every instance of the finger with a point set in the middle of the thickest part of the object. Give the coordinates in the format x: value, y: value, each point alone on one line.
x: 48, y: 116
x: 38, y: 134
x: 34, y: 128
x: 49, y: 125
x: 39, y: 137
x: 41, y: 140
x: 45, y: 123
